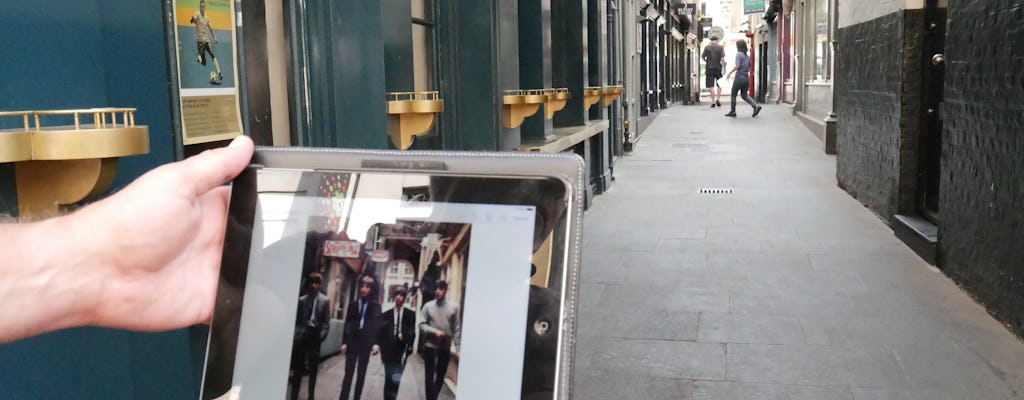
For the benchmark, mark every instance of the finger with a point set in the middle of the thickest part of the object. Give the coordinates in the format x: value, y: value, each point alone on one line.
x: 215, y: 167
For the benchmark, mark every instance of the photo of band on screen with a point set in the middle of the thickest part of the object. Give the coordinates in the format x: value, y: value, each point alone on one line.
x: 382, y: 318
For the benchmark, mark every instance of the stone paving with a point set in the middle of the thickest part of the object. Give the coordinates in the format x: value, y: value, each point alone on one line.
x: 787, y: 288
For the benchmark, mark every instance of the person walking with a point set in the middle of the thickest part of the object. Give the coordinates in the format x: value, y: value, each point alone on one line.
x: 742, y: 81
x: 397, y: 333
x: 713, y: 55
x: 441, y: 328
x: 312, y: 323
x: 362, y: 328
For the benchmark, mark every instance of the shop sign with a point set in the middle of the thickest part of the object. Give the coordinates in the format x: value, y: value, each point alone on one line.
x: 380, y: 256
x: 342, y: 248
x: 753, y: 6
x: 688, y: 9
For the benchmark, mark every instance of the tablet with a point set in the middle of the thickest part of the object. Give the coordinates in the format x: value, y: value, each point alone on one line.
x: 398, y: 274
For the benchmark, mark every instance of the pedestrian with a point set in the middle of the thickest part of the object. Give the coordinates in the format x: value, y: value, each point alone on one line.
x: 714, y: 57
x: 312, y: 322
x: 397, y: 333
x: 441, y: 327
x: 360, y: 340
x: 742, y: 81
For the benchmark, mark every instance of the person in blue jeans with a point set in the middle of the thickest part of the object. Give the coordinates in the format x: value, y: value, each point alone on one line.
x: 742, y: 81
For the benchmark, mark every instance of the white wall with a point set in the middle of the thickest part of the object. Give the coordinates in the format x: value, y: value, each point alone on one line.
x: 852, y: 12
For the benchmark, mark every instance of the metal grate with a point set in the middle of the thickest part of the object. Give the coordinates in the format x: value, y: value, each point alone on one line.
x: 726, y: 190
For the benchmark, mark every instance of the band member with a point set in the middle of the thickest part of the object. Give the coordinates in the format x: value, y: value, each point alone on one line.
x: 441, y: 328
x: 398, y: 331
x: 362, y: 327
x: 311, y: 327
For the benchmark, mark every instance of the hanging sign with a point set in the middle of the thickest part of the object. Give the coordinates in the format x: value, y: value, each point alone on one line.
x: 342, y: 248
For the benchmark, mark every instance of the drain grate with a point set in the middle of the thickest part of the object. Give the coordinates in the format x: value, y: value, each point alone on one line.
x: 725, y: 190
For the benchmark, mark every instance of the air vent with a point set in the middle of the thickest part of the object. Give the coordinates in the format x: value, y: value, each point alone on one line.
x: 714, y: 190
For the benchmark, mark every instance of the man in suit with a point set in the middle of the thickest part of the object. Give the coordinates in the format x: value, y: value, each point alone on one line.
x: 441, y: 327
x: 362, y: 327
x: 398, y: 331
x: 312, y: 321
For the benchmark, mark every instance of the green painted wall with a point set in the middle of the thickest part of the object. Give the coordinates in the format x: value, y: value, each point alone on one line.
x: 79, y: 54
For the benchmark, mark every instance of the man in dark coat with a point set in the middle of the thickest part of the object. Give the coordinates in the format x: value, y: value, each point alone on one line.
x: 312, y: 321
x: 398, y: 331
x: 362, y: 327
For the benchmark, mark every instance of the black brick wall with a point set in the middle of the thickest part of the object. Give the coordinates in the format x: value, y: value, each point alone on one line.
x: 981, y: 234
x: 867, y: 89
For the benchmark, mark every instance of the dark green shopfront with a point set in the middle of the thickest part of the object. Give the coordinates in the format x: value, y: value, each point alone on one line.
x: 320, y: 73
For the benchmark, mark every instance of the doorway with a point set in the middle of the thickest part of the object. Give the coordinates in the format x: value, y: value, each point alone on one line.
x: 930, y: 148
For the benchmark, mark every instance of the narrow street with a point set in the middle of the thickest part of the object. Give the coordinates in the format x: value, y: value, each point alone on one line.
x: 332, y: 372
x: 785, y: 288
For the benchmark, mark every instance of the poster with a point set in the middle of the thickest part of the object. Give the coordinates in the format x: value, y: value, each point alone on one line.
x: 207, y: 79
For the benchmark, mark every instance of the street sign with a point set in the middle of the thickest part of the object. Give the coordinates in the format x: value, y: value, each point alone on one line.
x: 753, y: 6
x: 688, y: 10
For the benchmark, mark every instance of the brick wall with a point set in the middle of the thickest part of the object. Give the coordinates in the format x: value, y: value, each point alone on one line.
x: 982, y: 188
x: 868, y: 104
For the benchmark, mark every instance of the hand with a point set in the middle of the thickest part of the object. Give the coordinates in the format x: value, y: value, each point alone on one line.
x: 375, y: 350
x: 439, y: 335
x: 145, y: 258
x: 344, y: 349
x: 163, y: 236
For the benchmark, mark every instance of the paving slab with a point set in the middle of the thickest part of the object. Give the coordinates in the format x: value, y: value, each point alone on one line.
x: 786, y: 288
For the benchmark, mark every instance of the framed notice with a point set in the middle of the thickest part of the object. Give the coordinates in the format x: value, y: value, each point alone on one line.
x: 204, y: 37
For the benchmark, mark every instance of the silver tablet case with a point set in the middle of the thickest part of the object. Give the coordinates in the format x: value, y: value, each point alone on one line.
x: 566, y: 167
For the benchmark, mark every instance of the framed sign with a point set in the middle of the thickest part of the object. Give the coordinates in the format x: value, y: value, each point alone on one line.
x: 205, y: 48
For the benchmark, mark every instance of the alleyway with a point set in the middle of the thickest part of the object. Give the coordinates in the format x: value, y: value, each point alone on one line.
x: 332, y: 373
x: 786, y: 288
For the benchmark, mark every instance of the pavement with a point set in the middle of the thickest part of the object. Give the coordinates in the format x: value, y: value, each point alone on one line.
x: 785, y: 288
x: 332, y: 373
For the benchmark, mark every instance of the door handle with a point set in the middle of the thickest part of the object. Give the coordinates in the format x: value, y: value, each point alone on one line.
x: 938, y: 59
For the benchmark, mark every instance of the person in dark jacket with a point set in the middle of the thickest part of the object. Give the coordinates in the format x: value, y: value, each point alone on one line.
x: 362, y: 326
x: 312, y: 322
x: 397, y: 333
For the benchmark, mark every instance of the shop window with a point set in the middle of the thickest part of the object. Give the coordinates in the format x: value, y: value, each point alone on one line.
x: 423, y: 42
x: 424, y: 62
x: 822, y: 40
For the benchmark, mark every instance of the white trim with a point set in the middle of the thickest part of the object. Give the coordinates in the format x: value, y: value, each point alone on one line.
x: 915, y: 4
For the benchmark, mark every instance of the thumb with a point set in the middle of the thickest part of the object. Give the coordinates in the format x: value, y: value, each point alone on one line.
x: 215, y: 167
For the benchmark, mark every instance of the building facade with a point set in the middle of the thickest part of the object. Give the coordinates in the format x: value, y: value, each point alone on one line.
x: 930, y: 144
x: 321, y: 73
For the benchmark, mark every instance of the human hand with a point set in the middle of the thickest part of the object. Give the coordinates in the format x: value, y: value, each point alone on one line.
x: 344, y: 349
x: 145, y: 258
x: 375, y: 350
x: 439, y: 334
x: 160, y: 241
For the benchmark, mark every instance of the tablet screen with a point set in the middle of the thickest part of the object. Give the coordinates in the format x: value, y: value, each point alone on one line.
x: 388, y: 285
